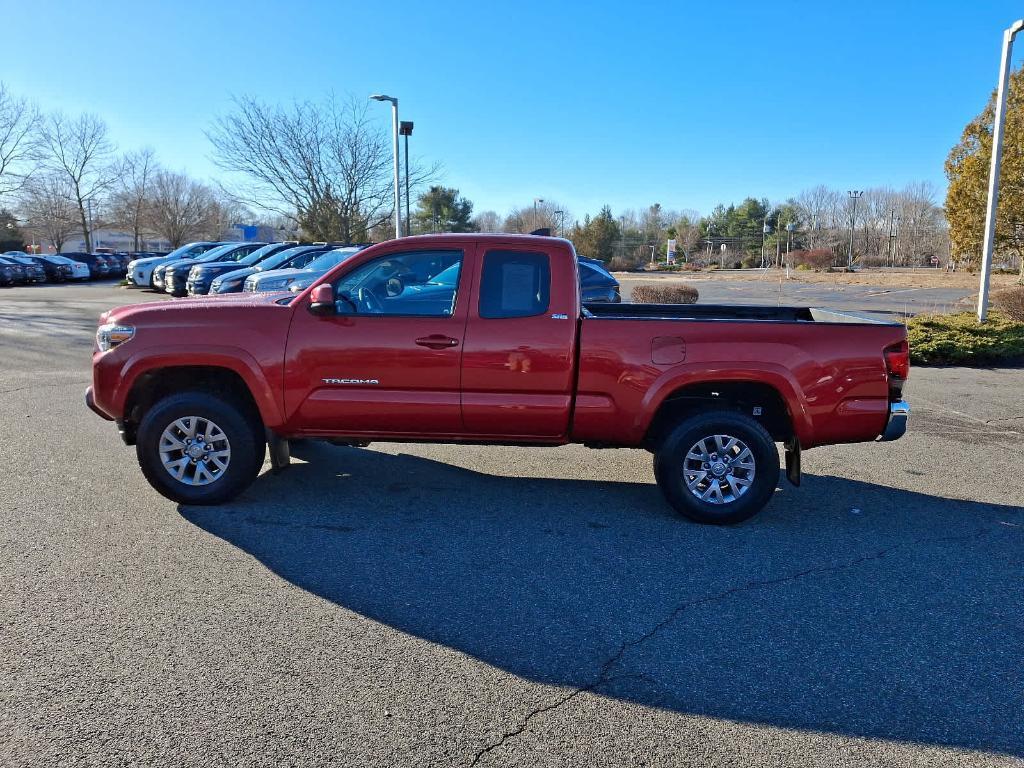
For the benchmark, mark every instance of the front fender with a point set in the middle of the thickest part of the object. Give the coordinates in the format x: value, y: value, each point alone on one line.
x: 232, y: 358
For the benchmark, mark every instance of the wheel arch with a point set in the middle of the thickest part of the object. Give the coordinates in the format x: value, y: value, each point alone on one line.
x: 155, y: 382
x: 762, y: 400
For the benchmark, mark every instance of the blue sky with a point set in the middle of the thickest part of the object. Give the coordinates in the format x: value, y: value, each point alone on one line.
x: 686, y: 104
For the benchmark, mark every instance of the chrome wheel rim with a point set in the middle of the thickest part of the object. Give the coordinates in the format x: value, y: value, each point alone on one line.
x: 719, y: 469
x: 194, y: 450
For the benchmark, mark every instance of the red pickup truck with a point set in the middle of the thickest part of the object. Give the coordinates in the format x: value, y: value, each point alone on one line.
x: 467, y: 338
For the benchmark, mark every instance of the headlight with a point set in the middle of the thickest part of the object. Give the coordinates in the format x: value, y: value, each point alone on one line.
x: 275, y: 285
x: 110, y: 335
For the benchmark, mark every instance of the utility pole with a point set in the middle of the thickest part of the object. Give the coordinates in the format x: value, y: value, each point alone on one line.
x: 535, y: 201
x: 405, y: 129
x: 998, y: 128
x: 855, y: 195
x: 892, y: 237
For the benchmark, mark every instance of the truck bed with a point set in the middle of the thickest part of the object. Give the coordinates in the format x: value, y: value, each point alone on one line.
x: 741, y: 312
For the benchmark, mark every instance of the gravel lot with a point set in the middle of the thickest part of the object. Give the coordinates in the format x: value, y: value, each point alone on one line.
x: 436, y: 605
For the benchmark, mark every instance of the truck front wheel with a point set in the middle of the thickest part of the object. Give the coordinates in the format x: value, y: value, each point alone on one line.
x: 196, y: 448
x: 720, y: 467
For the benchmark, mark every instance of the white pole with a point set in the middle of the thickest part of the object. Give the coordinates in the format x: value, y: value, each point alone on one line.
x: 398, y: 182
x: 993, y: 176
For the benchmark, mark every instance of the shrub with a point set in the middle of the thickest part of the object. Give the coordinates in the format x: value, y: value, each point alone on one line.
x: 665, y: 294
x: 818, y: 259
x: 1010, y: 301
x: 959, y: 339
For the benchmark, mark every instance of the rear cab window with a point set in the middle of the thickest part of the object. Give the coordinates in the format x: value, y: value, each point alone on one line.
x: 514, y: 284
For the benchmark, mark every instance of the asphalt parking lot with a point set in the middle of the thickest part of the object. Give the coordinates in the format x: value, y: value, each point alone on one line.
x: 437, y: 605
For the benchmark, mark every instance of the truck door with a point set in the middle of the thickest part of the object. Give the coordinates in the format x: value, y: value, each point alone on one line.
x: 388, y: 361
x: 519, y: 351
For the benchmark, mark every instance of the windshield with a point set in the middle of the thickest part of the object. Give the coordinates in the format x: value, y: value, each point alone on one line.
x: 259, y: 254
x: 189, y: 249
x: 214, y: 253
x: 330, y: 259
x: 283, y: 257
x: 26, y: 260
x: 448, y: 277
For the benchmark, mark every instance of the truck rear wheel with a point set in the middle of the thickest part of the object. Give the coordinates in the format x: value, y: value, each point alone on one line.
x: 196, y: 448
x: 720, y: 467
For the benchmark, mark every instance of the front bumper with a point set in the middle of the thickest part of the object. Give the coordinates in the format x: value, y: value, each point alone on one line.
x: 896, y: 427
x: 91, y: 402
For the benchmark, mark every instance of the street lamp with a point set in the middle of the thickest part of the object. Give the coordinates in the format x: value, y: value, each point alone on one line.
x: 394, y: 132
x: 535, y: 201
x: 993, y: 176
x: 855, y: 195
x: 764, y: 231
x: 405, y: 129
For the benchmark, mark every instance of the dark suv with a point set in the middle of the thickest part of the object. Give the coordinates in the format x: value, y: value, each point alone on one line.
x: 202, y: 276
x: 176, y: 273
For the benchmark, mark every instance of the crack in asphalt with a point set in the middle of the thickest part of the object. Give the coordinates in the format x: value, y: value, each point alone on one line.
x: 45, y: 386
x: 604, y: 674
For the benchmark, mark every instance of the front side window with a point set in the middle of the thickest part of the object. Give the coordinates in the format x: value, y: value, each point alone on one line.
x: 418, y: 283
x: 514, y: 284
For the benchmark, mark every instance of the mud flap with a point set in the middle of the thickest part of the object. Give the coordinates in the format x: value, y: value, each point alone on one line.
x: 280, y: 452
x: 793, y: 461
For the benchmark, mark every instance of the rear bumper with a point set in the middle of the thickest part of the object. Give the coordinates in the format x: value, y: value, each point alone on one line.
x: 899, y: 414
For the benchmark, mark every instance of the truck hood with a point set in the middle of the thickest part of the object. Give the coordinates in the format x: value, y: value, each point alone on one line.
x: 169, y: 312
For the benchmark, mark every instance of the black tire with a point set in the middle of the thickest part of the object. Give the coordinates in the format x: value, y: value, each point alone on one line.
x: 243, y: 431
x: 670, y: 458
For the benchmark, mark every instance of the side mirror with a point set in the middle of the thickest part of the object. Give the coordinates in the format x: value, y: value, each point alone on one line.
x: 321, y: 300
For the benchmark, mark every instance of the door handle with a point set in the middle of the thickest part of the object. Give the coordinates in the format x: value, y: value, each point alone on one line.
x: 437, y: 341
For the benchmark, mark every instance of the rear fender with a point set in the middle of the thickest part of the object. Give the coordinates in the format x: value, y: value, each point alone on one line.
x: 776, y: 376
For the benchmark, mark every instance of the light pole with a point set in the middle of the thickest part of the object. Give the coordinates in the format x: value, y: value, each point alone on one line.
x: 993, y: 176
x: 394, y: 132
x: 535, y: 201
x: 405, y: 129
x: 855, y: 195
x: 790, y: 229
x: 765, y: 229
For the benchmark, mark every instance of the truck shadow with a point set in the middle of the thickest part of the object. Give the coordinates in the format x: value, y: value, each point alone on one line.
x: 845, y: 607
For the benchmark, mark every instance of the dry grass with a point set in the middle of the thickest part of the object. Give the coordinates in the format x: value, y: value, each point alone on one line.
x: 674, y: 293
x: 1010, y: 301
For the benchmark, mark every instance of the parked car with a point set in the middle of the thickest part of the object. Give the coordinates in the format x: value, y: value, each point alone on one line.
x: 176, y: 273
x: 140, y: 270
x: 34, y: 271
x: 56, y: 271
x: 295, y: 256
x: 79, y: 270
x: 282, y: 279
x: 201, y: 276
x: 12, y: 272
x: 511, y: 357
x: 100, y: 266
x: 596, y: 282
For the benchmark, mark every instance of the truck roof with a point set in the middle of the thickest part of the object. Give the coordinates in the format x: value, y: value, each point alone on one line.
x: 525, y: 240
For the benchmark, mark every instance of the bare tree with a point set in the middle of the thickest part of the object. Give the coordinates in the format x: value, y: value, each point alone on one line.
x: 544, y: 213
x: 80, y: 149
x: 181, y: 208
x: 131, y: 192
x: 48, y: 208
x: 487, y: 221
x: 19, y: 124
x: 327, y: 166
